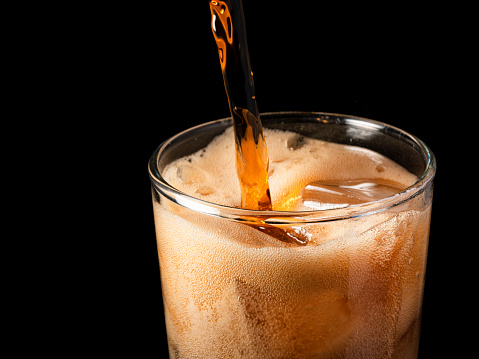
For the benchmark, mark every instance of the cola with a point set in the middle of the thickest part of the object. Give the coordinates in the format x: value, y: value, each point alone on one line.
x: 348, y: 285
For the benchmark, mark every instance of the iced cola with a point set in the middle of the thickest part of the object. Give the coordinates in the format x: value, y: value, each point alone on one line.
x: 357, y: 192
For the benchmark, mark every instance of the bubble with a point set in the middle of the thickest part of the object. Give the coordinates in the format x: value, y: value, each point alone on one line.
x: 296, y: 141
x: 188, y: 174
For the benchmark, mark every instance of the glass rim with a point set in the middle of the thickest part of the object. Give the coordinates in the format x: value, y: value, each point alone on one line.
x: 295, y: 217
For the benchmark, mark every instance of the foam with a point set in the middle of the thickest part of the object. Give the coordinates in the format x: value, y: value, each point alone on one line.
x: 231, y: 291
x: 290, y: 170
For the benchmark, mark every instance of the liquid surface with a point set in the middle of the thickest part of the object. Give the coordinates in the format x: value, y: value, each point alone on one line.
x: 304, y: 174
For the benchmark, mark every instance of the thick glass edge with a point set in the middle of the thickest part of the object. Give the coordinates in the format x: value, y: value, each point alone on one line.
x: 296, y: 217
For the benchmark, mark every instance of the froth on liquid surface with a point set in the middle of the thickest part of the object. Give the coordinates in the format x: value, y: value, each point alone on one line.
x: 295, y: 161
x: 231, y: 291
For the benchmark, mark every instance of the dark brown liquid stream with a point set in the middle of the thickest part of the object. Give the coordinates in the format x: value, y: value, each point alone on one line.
x: 229, y: 30
x: 251, y: 154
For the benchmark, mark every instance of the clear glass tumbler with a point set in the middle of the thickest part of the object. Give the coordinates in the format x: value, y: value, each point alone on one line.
x: 228, y: 293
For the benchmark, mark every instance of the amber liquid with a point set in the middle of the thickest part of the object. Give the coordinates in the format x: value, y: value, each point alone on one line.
x: 229, y: 30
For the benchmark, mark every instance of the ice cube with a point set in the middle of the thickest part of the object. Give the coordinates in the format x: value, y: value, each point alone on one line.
x: 292, y: 234
x: 339, y: 194
x: 262, y: 321
x: 279, y: 324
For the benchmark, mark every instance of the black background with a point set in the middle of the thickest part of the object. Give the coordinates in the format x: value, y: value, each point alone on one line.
x: 146, y: 73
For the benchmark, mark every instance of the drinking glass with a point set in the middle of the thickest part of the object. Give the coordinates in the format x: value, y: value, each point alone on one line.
x: 230, y: 290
